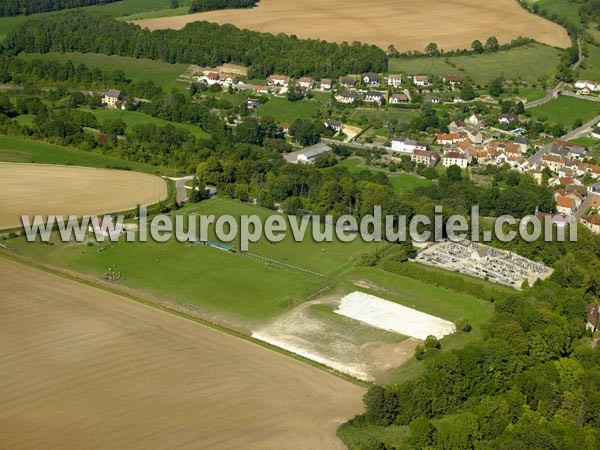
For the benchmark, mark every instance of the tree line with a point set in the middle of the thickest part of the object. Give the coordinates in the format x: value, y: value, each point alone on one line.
x: 26, y: 7
x: 201, y: 43
x: 210, y: 5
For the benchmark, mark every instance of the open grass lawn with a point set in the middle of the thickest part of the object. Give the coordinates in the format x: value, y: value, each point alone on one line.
x: 211, y: 280
x: 566, y: 110
x: 424, y: 297
x: 133, y: 118
x: 590, y: 67
x: 527, y: 63
x: 586, y: 142
x: 529, y: 93
x: 163, y: 74
x: 401, y: 182
x: 284, y: 111
x: 13, y: 149
x: 561, y: 8
x: 361, y: 115
x: 321, y: 257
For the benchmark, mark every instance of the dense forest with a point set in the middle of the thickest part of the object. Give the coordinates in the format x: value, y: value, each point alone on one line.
x: 201, y: 43
x: 24, y: 7
x: 210, y: 5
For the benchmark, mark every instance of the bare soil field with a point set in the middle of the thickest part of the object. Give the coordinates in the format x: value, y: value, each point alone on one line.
x: 409, y: 25
x: 45, y: 189
x: 83, y: 368
x: 314, y: 331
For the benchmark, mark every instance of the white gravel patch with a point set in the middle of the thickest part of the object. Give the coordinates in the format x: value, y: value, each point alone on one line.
x: 391, y: 316
x: 355, y: 370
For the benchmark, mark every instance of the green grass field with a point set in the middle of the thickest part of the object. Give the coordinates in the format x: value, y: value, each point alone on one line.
x: 566, y: 110
x: 561, y: 8
x: 325, y: 257
x: 284, y: 111
x: 401, y: 182
x: 163, y: 74
x: 13, y: 149
x: 586, y: 141
x: 132, y: 118
x: 590, y: 68
x: 527, y: 63
x: 210, y: 281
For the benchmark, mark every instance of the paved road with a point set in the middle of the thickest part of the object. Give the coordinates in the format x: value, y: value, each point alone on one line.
x: 582, y: 131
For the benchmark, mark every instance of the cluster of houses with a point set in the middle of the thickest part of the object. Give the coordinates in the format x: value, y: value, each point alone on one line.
x: 220, y: 78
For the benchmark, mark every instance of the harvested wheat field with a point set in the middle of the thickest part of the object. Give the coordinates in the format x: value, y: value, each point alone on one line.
x: 45, y: 189
x: 82, y: 368
x: 409, y: 25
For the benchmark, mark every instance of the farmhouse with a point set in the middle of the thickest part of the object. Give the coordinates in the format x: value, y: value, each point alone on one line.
x: 595, y: 133
x: 347, y: 96
x: 336, y: 125
x: 371, y: 79
x: 228, y: 79
x: 399, y: 99
x: 326, y: 83
x: 306, y: 82
x: 421, y: 80
x: 112, y: 97
x: 375, y: 97
x: 455, y: 159
x: 425, y: 157
x: 279, y: 80
x: 394, y: 80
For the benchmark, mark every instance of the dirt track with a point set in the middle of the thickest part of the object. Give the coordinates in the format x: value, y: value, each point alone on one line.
x: 409, y: 25
x: 82, y: 368
x: 45, y: 189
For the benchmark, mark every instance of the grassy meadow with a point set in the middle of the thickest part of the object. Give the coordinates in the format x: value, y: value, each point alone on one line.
x: 14, y: 149
x: 163, y: 74
x: 527, y: 63
x: 566, y: 110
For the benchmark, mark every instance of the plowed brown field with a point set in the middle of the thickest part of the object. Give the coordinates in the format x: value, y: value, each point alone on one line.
x: 82, y: 368
x: 409, y: 25
x: 45, y: 189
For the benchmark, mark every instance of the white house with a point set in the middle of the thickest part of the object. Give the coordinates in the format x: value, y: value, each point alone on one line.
x: 308, y: 155
x: 399, y: 99
x: 306, y: 82
x: 589, y: 84
x: 279, y: 80
x: 334, y: 125
x: 455, y: 159
x: 326, y: 83
x: 347, y: 96
x: 112, y: 97
x: 375, y: 97
x: 394, y: 80
x: 595, y: 133
x: 406, y: 146
x: 421, y: 80
x: 371, y: 79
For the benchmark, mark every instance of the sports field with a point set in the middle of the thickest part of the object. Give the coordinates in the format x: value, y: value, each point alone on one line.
x: 83, y: 368
x: 566, y: 110
x: 36, y: 189
x: 526, y: 63
x: 408, y: 25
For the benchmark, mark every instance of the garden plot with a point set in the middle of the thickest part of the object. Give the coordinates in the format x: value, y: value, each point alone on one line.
x: 391, y: 316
